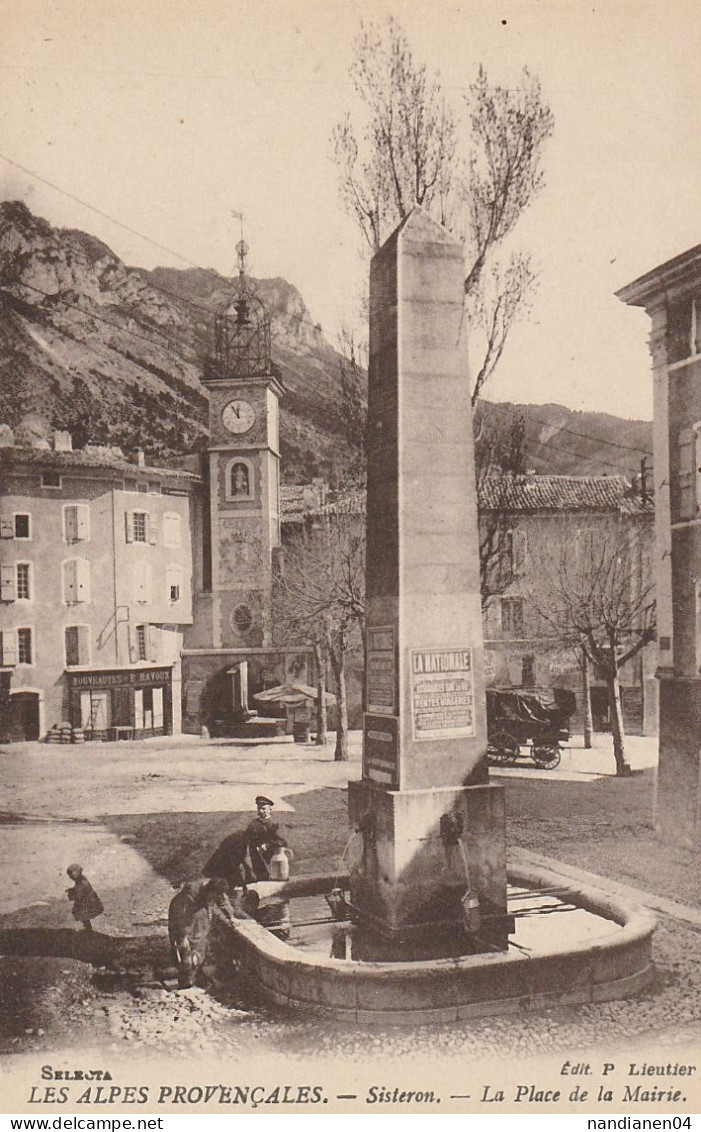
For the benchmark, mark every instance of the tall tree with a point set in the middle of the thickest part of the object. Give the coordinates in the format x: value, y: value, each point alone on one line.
x: 402, y: 148
x: 596, y: 593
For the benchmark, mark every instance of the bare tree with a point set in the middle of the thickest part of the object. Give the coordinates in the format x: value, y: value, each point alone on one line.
x: 402, y: 150
x: 499, y: 458
x: 319, y: 598
x: 353, y: 409
x: 596, y: 593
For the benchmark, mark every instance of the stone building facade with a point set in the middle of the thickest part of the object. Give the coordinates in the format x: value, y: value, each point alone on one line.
x: 671, y: 296
x: 96, y: 591
x: 543, y: 516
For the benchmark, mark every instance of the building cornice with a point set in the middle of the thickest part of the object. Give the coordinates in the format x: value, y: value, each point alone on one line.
x: 675, y: 275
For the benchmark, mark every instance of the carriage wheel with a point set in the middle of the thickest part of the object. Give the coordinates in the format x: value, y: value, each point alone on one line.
x: 502, y: 748
x: 546, y: 757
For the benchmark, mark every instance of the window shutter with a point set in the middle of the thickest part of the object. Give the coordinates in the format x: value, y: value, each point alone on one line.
x: 70, y: 582
x: 139, y: 707
x: 85, y: 710
x: 8, y: 588
x: 70, y: 523
x: 72, y: 645
x: 686, y: 474
x: 171, y: 529
x: 82, y: 579
x: 7, y: 528
x: 129, y: 524
x: 152, y: 644
x: 82, y: 522
x: 147, y: 582
x: 142, y: 581
x: 157, y: 707
x: 136, y: 581
x: 84, y: 644
x: 8, y: 640
x: 151, y: 529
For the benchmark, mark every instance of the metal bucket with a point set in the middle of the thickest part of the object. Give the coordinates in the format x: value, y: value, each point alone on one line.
x: 470, y: 914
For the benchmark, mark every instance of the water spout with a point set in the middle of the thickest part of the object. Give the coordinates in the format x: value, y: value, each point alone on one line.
x: 470, y: 901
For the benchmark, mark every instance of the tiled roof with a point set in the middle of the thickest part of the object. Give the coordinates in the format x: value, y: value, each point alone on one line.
x: 510, y: 493
x: 561, y: 493
x: 300, y: 500
x: 96, y: 458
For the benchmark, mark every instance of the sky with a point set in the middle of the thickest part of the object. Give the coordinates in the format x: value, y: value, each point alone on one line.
x: 166, y: 115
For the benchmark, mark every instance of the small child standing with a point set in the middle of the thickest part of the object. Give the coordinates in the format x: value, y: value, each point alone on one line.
x: 86, y: 903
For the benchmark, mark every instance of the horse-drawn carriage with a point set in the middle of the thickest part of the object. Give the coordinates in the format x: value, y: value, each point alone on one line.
x: 537, y: 719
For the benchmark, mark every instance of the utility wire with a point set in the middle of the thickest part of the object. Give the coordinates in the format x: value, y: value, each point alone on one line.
x: 570, y: 431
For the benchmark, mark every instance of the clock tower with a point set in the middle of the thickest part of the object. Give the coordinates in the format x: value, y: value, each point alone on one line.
x: 244, y: 469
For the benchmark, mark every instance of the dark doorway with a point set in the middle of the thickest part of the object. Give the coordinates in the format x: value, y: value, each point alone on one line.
x: 600, y: 710
x: 24, y: 716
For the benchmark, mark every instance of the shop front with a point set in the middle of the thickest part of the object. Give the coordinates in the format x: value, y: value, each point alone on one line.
x: 124, y: 703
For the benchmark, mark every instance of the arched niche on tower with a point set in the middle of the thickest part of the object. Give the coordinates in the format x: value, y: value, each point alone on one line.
x: 239, y: 480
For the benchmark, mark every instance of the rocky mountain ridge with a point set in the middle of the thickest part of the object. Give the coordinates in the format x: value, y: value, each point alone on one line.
x: 114, y: 354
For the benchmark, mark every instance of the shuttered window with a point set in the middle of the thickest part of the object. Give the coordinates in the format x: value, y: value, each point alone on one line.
x: 76, y: 580
x: 687, y: 501
x: 8, y: 588
x: 140, y: 527
x: 8, y: 647
x: 689, y: 472
x: 77, y: 642
x: 76, y: 523
x: 141, y: 581
x: 16, y: 526
x: 171, y: 529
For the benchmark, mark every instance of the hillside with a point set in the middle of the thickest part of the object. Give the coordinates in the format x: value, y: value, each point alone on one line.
x: 115, y: 353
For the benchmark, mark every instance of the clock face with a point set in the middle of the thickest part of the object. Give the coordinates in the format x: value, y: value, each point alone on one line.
x: 238, y: 416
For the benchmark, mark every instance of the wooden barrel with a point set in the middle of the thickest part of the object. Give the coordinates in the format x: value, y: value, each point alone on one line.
x: 300, y: 731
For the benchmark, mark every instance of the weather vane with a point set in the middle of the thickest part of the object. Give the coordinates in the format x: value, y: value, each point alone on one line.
x: 242, y: 246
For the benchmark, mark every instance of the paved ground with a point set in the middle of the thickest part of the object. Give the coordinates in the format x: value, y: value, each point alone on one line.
x: 142, y: 816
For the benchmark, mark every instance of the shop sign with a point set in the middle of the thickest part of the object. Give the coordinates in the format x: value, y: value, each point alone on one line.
x: 131, y: 678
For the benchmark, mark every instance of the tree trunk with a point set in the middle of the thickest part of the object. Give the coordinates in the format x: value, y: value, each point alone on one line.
x: 586, y: 697
x: 338, y: 665
x: 614, y: 691
x: 320, y: 696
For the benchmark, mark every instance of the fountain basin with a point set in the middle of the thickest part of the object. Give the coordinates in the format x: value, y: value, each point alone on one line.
x: 614, y: 963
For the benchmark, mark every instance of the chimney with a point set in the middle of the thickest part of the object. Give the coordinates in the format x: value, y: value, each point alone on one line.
x: 63, y: 441
x: 140, y: 458
x: 7, y: 436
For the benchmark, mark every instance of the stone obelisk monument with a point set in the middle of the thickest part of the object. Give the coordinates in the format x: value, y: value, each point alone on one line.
x: 432, y: 826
